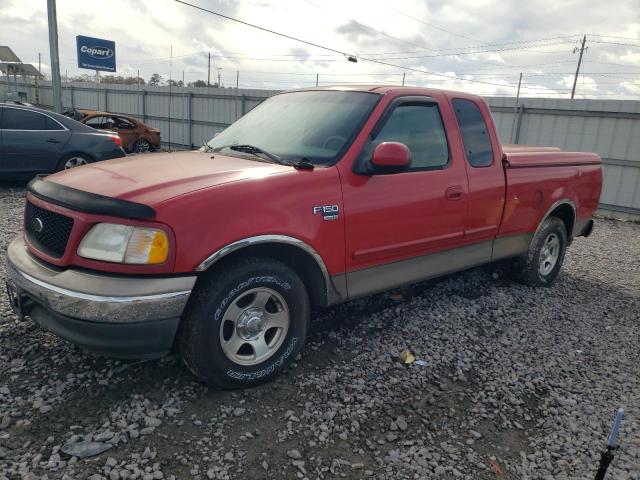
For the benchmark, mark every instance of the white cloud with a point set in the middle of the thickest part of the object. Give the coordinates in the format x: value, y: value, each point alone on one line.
x: 144, y: 32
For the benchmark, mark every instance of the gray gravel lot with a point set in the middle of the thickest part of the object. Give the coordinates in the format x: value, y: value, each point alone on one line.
x: 519, y: 383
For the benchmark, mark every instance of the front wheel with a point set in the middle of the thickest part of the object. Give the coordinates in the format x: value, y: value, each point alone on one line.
x: 244, y: 323
x: 542, y: 263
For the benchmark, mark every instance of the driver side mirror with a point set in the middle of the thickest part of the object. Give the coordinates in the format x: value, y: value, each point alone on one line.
x: 390, y: 157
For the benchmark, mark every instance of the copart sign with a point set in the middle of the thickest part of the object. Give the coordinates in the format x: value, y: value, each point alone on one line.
x: 96, y: 53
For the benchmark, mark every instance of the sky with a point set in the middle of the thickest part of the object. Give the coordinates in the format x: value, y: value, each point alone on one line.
x: 479, y: 46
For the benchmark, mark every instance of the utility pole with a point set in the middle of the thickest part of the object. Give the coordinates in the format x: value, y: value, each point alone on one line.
x: 55, y: 59
x: 515, y: 109
x: 170, y: 82
x: 317, y: 76
x: 38, y: 81
x: 219, y: 84
x: 209, y: 72
x: 237, y: 91
x: 582, y: 49
x: 403, y: 74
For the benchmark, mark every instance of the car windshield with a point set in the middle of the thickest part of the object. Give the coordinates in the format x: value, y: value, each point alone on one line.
x: 316, y: 126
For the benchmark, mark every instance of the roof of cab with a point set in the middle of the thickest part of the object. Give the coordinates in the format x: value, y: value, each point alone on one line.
x: 384, y: 89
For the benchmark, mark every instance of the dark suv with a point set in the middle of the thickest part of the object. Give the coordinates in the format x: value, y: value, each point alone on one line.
x: 34, y: 141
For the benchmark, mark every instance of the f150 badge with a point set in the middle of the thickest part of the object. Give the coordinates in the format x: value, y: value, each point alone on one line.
x: 329, y: 212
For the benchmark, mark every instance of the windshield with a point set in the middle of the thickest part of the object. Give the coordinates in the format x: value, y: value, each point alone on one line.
x: 315, y: 125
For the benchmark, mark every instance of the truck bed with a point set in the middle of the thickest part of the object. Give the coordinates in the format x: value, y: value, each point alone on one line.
x: 525, y: 156
x: 538, y: 177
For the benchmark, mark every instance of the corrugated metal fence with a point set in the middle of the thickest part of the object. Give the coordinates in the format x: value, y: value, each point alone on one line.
x: 611, y: 128
x: 186, y: 116
x: 189, y: 116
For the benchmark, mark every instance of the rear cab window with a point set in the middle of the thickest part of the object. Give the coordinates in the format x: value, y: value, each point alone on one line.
x: 475, y: 133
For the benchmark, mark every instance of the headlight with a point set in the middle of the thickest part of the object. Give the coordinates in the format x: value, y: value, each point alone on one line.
x: 112, y: 242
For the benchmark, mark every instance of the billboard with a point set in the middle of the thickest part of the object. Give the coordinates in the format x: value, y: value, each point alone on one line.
x: 96, y: 53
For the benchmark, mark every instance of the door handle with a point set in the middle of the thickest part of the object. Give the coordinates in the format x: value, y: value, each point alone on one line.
x: 53, y: 140
x: 454, y: 193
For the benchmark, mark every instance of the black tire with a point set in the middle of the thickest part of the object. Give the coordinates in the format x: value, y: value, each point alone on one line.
x: 62, y: 164
x: 200, y: 336
x: 141, y: 146
x: 528, y: 269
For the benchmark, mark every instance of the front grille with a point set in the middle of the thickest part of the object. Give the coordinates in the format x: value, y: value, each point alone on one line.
x: 47, y: 231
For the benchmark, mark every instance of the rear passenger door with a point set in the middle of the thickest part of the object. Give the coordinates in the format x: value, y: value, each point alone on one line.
x: 484, y: 169
x: 32, y: 142
x: 127, y: 131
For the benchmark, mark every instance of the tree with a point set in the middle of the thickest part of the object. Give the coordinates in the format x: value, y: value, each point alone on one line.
x: 119, y: 79
x: 155, y: 80
x: 175, y: 83
x: 198, y: 83
x: 85, y: 77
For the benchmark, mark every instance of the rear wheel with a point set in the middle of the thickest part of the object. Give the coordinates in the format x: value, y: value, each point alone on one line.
x: 72, y: 161
x: 141, y: 146
x: 542, y: 263
x: 244, y: 323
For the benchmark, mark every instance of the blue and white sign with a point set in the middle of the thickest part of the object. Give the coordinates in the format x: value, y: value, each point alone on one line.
x: 96, y: 53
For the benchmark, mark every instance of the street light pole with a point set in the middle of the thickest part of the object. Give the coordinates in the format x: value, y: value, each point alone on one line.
x: 55, y: 60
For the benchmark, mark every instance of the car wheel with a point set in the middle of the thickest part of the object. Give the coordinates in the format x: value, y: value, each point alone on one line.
x: 542, y: 263
x: 72, y: 161
x: 244, y: 323
x: 141, y: 146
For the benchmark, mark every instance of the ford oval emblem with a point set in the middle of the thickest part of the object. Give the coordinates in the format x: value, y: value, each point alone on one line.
x: 37, y: 224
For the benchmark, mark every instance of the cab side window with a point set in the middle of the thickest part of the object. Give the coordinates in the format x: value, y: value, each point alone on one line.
x: 419, y: 126
x: 475, y: 133
x: 17, y: 119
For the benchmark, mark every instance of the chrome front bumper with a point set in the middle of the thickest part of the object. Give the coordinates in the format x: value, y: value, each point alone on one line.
x: 95, y: 297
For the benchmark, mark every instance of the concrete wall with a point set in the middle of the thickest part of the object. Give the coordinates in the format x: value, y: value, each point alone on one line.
x: 189, y: 116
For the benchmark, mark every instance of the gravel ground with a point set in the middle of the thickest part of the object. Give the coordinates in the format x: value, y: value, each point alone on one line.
x: 518, y: 383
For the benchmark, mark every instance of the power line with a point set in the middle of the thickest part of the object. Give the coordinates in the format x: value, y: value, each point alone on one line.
x: 613, y: 36
x: 617, y: 43
x: 349, y: 57
x: 435, y: 27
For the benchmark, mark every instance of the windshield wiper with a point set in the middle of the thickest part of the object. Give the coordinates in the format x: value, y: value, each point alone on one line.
x: 253, y: 150
x: 207, y: 147
x: 303, y: 164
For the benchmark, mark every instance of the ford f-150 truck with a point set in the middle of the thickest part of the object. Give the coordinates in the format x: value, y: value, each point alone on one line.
x: 313, y: 198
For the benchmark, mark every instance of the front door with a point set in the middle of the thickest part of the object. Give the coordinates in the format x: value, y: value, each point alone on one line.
x: 394, y: 223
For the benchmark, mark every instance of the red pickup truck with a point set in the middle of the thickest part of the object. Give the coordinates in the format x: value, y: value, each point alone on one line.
x: 313, y: 198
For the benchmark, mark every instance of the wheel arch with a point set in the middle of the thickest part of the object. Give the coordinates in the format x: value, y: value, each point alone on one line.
x: 296, y: 254
x: 565, y: 210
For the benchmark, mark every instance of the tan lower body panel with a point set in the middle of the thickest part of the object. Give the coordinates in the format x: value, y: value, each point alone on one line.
x: 391, y: 275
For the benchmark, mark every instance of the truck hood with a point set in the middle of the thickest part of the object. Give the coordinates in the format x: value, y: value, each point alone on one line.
x: 153, y: 178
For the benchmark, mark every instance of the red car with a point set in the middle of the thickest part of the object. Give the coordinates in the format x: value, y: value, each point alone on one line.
x: 313, y: 198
